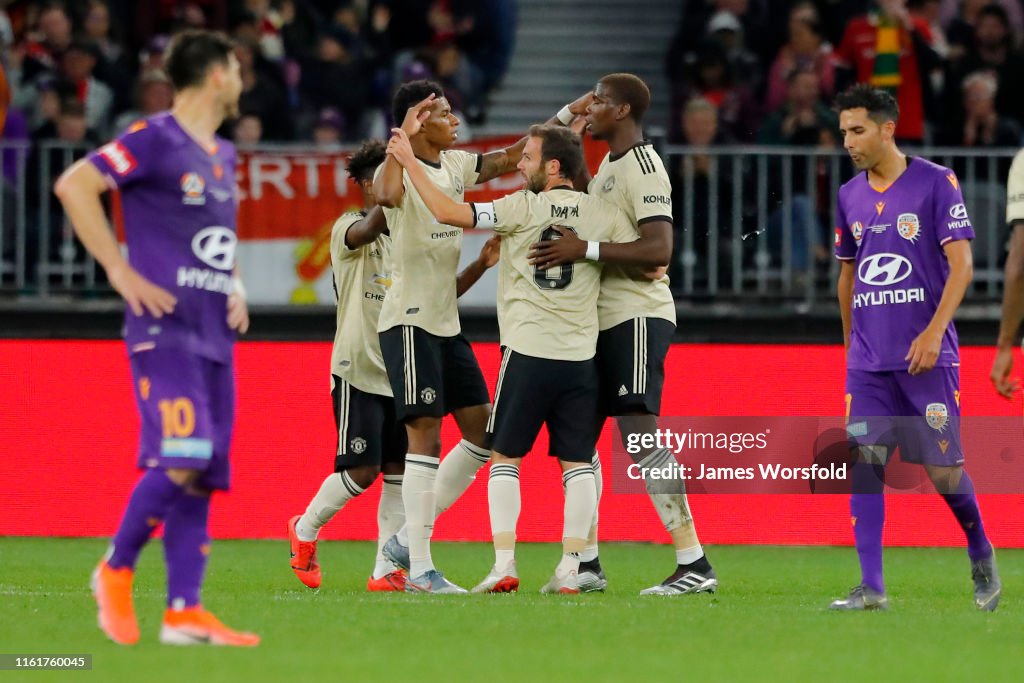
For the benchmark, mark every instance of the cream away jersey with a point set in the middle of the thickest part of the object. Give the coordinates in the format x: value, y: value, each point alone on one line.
x: 1015, y: 190
x: 636, y: 182
x: 361, y: 280
x: 425, y: 253
x: 551, y: 314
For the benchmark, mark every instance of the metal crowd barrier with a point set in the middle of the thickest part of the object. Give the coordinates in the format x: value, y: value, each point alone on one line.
x: 758, y: 221
x: 752, y: 222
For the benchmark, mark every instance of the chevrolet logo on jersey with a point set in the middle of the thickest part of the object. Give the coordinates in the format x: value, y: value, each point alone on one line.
x: 382, y: 280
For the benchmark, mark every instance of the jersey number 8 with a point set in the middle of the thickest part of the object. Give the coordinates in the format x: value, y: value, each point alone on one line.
x: 556, y: 277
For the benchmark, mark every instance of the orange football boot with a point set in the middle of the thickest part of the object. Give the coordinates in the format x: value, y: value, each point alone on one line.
x: 304, y: 562
x: 390, y: 582
x: 112, y: 589
x: 196, y: 626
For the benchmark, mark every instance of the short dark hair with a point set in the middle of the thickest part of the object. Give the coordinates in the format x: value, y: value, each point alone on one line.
x: 410, y: 94
x: 996, y: 11
x: 629, y: 89
x: 881, y: 105
x: 191, y: 54
x: 560, y: 144
x: 366, y: 159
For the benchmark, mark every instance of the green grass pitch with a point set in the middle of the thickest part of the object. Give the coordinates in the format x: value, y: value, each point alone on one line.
x: 768, y: 622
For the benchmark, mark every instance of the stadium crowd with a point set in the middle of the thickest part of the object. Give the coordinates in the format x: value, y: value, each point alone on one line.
x: 313, y: 70
x: 741, y: 72
x: 746, y: 71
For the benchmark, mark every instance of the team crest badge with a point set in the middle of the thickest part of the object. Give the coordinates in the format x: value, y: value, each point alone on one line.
x: 358, y: 445
x: 908, y: 226
x: 192, y: 188
x: 428, y: 396
x: 937, y: 416
x: 608, y: 184
x: 858, y: 230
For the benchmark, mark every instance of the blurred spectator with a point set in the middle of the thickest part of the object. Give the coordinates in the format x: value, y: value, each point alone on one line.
x: 712, y: 79
x: 335, y: 64
x: 992, y: 50
x: 806, y: 49
x: 71, y: 128
x: 45, y: 46
x: 248, y: 130
x: 961, y: 16
x: 890, y: 49
x: 490, y: 41
x: 298, y: 28
x: 167, y: 16
x: 112, y: 66
x: 329, y: 130
x: 262, y: 95
x: 804, y: 121
x: 693, y: 27
x: 151, y: 57
x: 725, y: 29
x: 269, y: 20
x: 928, y: 11
x: 803, y: 118
x: 155, y: 94
x: 461, y: 80
x: 76, y: 68
x: 983, y: 126
x: 697, y: 179
x: 409, y: 27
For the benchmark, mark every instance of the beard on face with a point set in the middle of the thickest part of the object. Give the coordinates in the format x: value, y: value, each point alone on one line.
x: 535, y: 182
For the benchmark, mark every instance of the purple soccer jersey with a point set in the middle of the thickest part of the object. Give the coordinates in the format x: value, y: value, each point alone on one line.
x: 896, y: 237
x: 179, y: 209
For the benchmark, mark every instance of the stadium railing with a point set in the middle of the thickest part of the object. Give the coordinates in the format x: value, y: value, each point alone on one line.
x: 753, y: 223
x: 759, y: 221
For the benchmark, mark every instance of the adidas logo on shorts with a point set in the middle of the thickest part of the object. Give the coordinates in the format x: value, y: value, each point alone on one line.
x: 622, y: 390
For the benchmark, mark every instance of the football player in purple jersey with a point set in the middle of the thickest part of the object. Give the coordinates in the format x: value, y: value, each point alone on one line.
x: 186, y: 304
x: 903, y: 240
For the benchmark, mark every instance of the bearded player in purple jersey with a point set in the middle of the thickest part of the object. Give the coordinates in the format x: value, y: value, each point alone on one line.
x: 185, y: 306
x: 903, y: 239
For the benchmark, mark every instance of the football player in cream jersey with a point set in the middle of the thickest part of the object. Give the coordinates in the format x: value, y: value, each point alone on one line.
x: 548, y: 322
x: 636, y: 309
x: 370, y: 439
x: 430, y: 365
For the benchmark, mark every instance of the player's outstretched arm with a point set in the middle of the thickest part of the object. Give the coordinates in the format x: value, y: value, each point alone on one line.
x: 366, y: 230
x: 652, y: 250
x: 501, y: 162
x: 488, y: 257
x: 845, y: 290
x: 925, y: 348
x: 504, y: 161
x: 1013, y: 313
x: 443, y: 207
x: 79, y: 189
